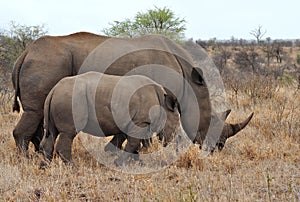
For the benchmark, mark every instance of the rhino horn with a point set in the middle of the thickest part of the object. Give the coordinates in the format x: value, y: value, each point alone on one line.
x: 235, y: 128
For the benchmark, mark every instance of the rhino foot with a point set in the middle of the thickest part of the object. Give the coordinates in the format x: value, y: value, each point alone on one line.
x: 127, y: 159
x: 43, y: 165
x: 110, y: 148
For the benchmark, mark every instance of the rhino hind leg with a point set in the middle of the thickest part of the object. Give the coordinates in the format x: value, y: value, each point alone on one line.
x: 47, y: 145
x: 38, y: 136
x: 26, y: 129
x: 115, y: 143
x: 130, y: 152
x: 64, y: 147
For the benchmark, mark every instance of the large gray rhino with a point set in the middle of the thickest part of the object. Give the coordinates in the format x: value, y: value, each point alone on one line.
x: 49, y: 59
x: 169, y: 64
x: 89, y: 102
x: 44, y: 62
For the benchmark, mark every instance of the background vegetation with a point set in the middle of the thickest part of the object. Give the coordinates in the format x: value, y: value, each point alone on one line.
x: 154, y: 21
x: 261, y: 163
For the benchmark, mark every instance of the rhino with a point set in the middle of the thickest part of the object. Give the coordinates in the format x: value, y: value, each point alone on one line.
x: 95, y: 100
x: 44, y: 62
x: 49, y: 59
x: 149, y: 55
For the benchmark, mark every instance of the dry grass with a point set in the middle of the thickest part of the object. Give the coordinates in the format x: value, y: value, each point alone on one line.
x: 261, y: 163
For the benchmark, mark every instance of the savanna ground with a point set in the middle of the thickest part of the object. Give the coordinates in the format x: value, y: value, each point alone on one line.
x: 261, y: 163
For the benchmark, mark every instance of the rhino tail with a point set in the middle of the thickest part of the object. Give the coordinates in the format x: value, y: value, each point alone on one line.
x: 15, y: 79
x: 47, y: 121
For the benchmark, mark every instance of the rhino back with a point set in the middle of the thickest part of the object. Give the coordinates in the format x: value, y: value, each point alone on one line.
x: 117, y: 101
x: 49, y: 59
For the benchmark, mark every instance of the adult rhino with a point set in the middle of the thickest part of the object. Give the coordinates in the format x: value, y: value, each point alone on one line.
x: 44, y: 62
x: 170, y: 65
x: 87, y: 101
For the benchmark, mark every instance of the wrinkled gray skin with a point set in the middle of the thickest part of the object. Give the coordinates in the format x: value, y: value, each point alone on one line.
x: 89, y: 94
x: 37, y: 70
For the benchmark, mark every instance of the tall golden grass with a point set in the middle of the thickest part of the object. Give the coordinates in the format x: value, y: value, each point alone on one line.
x: 261, y: 163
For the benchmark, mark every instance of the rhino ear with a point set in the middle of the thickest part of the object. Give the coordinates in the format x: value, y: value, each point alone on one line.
x: 225, y: 114
x: 197, y: 76
x: 171, y: 102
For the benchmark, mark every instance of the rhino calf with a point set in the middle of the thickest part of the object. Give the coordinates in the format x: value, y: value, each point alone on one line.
x: 98, y: 104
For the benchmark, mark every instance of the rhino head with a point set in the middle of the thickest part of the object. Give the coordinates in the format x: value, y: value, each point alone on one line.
x: 229, y: 130
x: 168, y: 124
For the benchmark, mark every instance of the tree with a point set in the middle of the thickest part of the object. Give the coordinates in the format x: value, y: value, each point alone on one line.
x: 298, y: 59
x: 12, y: 43
x: 124, y: 29
x: 154, y: 21
x: 247, y: 57
x: 258, y: 33
x: 24, y: 34
x: 221, y: 57
x: 278, y: 51
x: 268, y: 49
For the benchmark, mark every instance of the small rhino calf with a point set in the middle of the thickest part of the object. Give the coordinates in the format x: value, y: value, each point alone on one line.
x: 105, y: 105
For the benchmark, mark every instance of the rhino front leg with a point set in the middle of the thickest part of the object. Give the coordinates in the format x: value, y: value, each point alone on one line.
x: 47, y: 146
x: 115, y: 143
x: 26, y: 129
x: 146, y: 143
x: 129, y: 152
x: 64, y: 147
